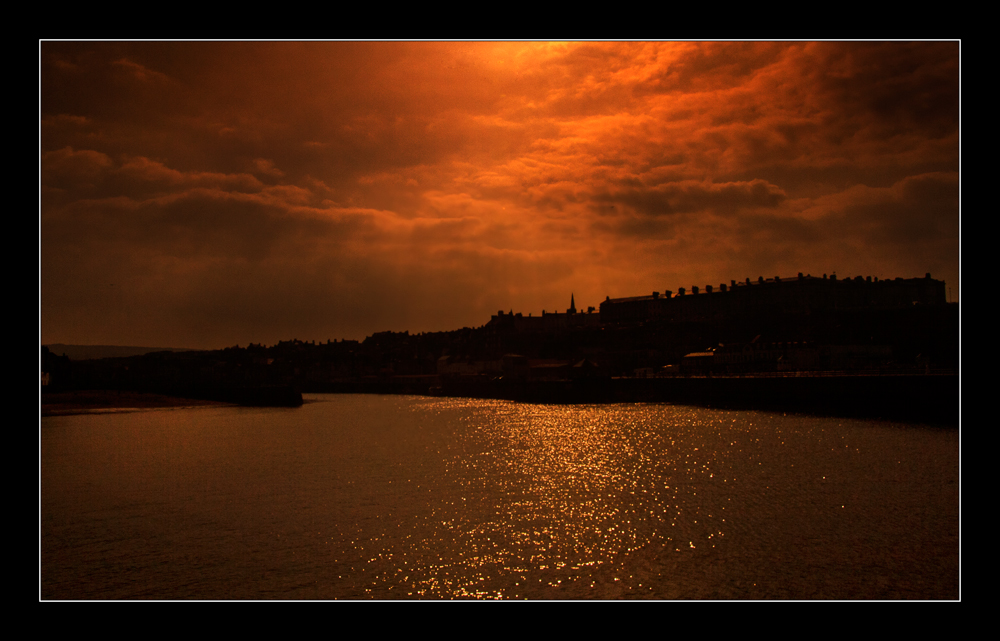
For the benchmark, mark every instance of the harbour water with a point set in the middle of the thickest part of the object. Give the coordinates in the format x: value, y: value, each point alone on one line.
x: 403, y: 497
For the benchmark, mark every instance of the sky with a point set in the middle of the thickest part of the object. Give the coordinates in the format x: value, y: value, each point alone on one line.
x: 210, y: 194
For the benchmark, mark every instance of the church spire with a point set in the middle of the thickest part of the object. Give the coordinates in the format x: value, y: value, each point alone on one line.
x: 572, y: 305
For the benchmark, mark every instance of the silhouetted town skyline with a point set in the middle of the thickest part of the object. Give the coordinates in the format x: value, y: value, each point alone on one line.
x: 802, y: 326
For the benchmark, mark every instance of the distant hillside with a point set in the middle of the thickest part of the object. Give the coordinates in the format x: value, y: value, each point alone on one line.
x: 87, y: 352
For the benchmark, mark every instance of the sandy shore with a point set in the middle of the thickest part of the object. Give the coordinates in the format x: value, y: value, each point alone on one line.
x: 82, y: 402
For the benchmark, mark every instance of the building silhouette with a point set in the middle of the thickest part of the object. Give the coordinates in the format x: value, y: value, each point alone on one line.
x: 800, y: 294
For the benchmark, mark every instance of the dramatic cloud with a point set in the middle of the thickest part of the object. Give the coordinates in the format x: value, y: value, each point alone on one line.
x: 208, y: 194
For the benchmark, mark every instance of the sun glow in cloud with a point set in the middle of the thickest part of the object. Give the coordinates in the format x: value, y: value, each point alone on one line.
x: 206, y: 194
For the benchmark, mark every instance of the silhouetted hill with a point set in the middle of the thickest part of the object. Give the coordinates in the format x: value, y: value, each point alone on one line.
x: 87, y: 352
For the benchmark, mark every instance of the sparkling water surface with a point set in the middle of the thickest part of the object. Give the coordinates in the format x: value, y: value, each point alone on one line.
x: 398, y: 497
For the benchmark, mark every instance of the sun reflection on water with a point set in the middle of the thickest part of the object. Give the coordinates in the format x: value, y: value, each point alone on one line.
x: 360, y: 496
x: 558, y: 496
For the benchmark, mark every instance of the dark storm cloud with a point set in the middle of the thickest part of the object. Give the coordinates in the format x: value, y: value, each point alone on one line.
x: 911, y: 222
x: 688, y: 196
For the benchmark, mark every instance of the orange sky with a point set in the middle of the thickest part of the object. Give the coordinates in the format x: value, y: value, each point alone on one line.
x: 212, y: 194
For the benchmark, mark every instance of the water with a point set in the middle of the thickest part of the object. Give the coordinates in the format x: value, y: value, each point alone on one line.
x: 393, y: 497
